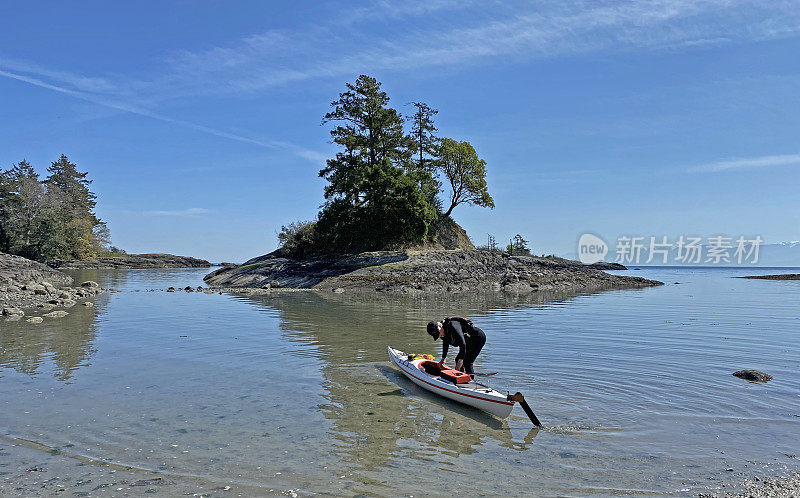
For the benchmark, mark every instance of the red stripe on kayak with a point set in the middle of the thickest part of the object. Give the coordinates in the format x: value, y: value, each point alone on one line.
x: 454, y: 392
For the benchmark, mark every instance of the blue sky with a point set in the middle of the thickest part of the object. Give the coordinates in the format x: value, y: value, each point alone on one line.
x: 200, y: 122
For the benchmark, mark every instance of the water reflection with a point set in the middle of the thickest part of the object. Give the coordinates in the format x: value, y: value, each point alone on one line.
x: 378, y: 416
x: 67, y: 341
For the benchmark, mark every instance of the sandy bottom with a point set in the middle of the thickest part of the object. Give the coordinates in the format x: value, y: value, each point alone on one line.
x: 30, y: 469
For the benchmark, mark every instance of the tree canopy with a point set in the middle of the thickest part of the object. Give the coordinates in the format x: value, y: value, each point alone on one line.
x: 466, y: 174
x: 383, y: 187
x: 49, y: 219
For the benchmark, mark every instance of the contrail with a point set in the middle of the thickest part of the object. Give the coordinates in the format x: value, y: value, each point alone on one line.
x: 142, y: 112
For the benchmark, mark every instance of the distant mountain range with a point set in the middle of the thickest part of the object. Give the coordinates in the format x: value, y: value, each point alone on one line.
x: 778, y: 254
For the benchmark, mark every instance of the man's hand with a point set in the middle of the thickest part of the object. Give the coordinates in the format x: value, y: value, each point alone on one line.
x: 441, y: 362
x: 459, y: 364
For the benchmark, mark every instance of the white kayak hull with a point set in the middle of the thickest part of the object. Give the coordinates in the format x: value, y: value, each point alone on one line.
x: 472, y: 394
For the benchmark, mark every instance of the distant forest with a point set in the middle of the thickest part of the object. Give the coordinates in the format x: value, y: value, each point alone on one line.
x: 52, y: 218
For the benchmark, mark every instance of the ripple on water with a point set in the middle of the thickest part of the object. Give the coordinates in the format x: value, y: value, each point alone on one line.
x: 295, y: 391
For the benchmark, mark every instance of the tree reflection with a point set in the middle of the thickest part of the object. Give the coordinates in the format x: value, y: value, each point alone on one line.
x: 378, y: 416
x: 67, y: 341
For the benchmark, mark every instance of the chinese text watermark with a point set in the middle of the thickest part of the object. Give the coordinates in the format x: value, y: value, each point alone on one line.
x: 684, y: 250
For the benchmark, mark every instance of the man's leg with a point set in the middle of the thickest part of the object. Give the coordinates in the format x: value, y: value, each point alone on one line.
x: 476, y: 341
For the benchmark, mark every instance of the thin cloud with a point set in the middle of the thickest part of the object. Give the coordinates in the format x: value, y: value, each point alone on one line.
x: 418, y: 35
x: 441, y: 33
x: 747, y: 163
x: 279, y: 57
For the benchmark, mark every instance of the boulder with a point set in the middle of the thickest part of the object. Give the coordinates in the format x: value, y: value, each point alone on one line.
x: 56, y: 314
x: 90, y: 283
x: 11, y: 311
x: 88, y: 304
x: 753, y: 375
x: 35, y: 319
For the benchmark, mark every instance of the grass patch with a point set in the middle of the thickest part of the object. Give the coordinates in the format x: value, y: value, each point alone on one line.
x: 251, y: 266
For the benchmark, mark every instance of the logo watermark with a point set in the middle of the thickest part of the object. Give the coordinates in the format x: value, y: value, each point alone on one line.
x: 591, y: 249
x: 685, y: 250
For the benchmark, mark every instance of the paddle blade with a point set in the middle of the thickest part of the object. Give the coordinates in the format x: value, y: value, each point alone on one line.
x: 519, y: 398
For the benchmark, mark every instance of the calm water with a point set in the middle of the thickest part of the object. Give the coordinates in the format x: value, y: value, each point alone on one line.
x: 296, y: 391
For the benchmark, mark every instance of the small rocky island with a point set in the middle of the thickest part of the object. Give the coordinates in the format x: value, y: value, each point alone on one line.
x: 421, y: 271
x: 132, y: 262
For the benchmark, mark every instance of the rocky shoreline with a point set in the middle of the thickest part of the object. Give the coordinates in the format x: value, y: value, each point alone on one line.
x: 132, y: 262
x: 424, y: 271
x: 28, y: 284
x: 783, y: 276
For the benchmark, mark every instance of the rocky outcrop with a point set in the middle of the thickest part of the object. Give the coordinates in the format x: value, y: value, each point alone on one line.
x: 753, y: 375
x: 422, y: 271
x: 447, y: 234
x: 133, y: 262
x: 25, y: 284
x: 602, y: 265
x: 783, y: 276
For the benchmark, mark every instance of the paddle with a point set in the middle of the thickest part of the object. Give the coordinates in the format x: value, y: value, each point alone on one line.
x: 483, y: 374
x: 519, y: 398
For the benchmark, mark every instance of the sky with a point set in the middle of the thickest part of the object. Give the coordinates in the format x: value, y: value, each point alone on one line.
x: 200, y: 122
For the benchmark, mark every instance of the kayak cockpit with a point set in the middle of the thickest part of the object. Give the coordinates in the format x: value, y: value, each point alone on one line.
x: 438, y: 370
x: 430, y: 367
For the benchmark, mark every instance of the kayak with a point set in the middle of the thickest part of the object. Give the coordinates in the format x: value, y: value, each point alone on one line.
x: 429, y: 375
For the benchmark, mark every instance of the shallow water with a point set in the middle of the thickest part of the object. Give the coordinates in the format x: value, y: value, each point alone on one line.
x: 295, y: 391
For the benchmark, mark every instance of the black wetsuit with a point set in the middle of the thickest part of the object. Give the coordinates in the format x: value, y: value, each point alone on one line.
x: 469, y: 339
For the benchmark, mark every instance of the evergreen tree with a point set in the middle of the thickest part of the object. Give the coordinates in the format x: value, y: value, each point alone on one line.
x: 370, y: 133
x: 80, y: 202
x: 23, y: 203
x: 425, y: 146
x: 373, y: 195
x: 422, y: 132
x: 77, y: 225
x: 48, y: 220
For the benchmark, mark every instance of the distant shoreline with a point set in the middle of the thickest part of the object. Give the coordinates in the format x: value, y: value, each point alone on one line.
x: 131, y: 262
x: 783, y: 276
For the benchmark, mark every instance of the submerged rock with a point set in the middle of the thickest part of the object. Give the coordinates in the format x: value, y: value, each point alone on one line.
x: 11, y: 311
x: 35, y: 319
x: 56, y: 314
x: 753, y: 375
